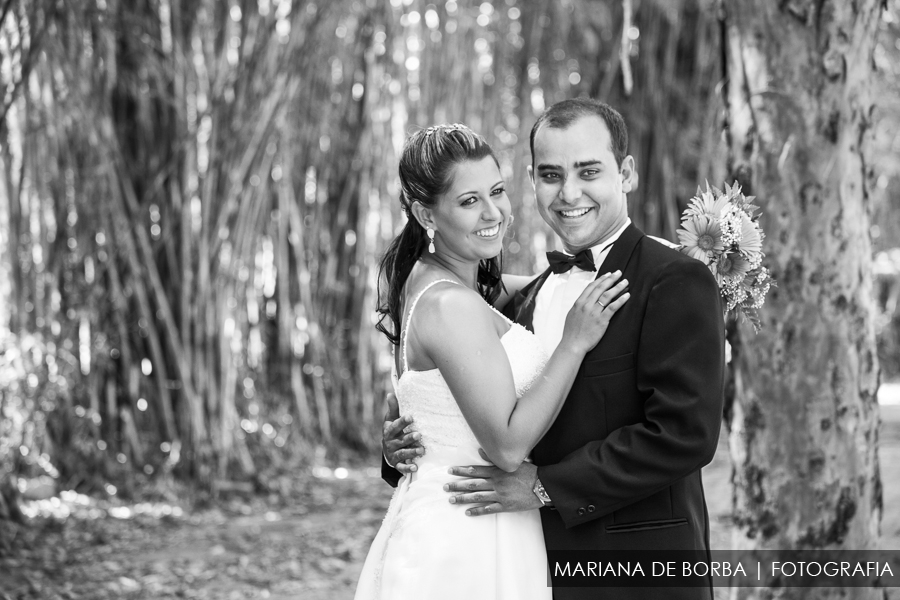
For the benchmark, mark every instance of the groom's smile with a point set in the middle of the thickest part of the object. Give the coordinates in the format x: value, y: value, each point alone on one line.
x: 575, y: 213
x: 579, y: 187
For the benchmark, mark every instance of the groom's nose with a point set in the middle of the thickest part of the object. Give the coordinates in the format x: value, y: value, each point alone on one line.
x: 570, y: 191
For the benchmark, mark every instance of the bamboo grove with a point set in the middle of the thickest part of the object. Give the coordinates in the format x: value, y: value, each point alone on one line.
x: 195, y: 194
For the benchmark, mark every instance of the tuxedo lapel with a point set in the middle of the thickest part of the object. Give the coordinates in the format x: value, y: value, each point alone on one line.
x: 523, y: 303
x: 621, y: 251
x: 521, y: 308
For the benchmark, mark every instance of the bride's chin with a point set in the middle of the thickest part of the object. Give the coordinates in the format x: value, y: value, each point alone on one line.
x: 490, y: 251
x: 486, y: 256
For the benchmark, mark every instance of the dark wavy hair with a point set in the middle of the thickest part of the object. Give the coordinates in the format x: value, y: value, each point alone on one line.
x: 562, y: 114
x: 426, y: 168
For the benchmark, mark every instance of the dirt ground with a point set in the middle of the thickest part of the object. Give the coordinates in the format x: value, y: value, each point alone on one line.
x: 310, y: 547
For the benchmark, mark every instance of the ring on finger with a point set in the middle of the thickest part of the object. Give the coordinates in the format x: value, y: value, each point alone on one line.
x: 601, y: 304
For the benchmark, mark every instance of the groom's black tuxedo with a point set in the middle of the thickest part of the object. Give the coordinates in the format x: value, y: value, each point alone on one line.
x: 622, y: 460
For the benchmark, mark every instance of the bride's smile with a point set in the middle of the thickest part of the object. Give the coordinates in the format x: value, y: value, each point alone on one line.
x: 489, y: 232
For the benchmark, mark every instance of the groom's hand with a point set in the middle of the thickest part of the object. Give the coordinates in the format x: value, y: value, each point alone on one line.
x: 494, y: 489
x: 400, y: 448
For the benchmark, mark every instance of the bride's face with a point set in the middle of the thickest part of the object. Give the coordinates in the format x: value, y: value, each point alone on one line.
x: 471, y: 218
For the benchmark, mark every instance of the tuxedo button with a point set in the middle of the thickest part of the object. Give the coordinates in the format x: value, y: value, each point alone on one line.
x: 581, y: 511
x: 591, y: 508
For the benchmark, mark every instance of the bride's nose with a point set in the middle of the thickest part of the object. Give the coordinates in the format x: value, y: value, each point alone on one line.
x: 491, y: 213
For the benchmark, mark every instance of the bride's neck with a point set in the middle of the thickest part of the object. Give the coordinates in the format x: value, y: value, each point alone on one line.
x: 465, y: 272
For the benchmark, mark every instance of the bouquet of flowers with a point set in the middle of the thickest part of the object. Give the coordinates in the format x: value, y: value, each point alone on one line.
x: 722, y: 230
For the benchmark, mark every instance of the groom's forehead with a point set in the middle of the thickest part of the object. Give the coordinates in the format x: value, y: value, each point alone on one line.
x: 562, y: 154
x: 588, y: 134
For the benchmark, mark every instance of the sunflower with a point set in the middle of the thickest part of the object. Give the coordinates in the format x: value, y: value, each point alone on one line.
x: 701, y: 238
x: 731, y: 268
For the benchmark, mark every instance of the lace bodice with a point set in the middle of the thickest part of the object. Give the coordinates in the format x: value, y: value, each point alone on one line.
x: 426, y: 397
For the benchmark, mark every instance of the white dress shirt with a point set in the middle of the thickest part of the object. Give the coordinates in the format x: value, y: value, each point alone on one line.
x: 561, y: 290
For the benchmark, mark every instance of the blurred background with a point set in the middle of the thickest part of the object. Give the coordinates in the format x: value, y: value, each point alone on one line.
x: 194, y: 195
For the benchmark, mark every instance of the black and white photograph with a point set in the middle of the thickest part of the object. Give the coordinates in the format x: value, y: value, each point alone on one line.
x: 442, y: 299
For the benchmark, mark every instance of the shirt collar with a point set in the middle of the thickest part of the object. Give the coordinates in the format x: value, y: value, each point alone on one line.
x: 603, y: 247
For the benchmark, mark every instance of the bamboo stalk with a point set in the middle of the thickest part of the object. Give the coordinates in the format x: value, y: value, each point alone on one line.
x: 223, y: 435
x: 287, y: 202
x: 120, y: 309
x: 110, y: 414
x: 286, y: 324
x: 303, y: 278
x: 120, y: 232
x: 198, y: 424
x: 131, y: 436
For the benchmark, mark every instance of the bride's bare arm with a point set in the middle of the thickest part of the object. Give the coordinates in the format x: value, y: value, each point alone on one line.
x: 464, y: 343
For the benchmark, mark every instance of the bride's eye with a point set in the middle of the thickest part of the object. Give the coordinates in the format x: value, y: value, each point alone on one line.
x: 498, y: 191
x: 469, y: 201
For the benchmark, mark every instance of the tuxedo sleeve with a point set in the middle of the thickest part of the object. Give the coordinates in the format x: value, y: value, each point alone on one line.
x: 390, y: 474
x: 679, y: 372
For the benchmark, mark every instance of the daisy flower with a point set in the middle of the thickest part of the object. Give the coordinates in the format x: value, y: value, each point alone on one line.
x: 707, y: 204
x: 751, y: 240
x: 731, y: 267
x: 701, y: 238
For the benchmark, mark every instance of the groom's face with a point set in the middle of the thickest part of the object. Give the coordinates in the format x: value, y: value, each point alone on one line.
x: 579, y: 188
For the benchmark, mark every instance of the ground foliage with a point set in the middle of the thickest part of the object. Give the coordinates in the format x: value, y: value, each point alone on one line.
x: 305, y: 539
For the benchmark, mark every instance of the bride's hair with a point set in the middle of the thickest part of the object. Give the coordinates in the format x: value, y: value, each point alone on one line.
x: 426, y: 166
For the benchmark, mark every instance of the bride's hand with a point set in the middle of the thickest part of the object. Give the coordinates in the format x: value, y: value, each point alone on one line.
x: 589, y: 317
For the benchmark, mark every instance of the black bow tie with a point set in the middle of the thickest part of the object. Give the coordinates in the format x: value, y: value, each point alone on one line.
x: 561, y: 262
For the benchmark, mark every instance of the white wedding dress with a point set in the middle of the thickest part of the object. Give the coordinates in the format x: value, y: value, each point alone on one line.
x: 428, y: 548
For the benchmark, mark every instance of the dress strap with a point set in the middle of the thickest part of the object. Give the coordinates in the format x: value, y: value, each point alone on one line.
x: 405, y: 333
x: 502, y: 316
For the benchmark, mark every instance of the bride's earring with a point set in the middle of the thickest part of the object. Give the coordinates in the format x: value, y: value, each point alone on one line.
x: 509, y: 228
x: 430, y: 232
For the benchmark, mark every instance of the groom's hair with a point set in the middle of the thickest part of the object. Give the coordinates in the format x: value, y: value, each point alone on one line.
x: 562, y: 114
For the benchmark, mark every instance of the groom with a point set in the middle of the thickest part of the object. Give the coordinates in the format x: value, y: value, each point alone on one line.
x: 620, y: 467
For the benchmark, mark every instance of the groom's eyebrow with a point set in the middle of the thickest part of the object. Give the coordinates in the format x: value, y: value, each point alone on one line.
x: 587, y: 163
x: 579, y: 165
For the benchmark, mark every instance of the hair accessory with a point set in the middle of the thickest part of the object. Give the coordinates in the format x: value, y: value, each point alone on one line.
x: 430, y: 232
x: 446, y: 127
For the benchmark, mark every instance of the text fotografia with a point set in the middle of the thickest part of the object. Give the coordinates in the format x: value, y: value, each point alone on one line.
x: 731, y: 568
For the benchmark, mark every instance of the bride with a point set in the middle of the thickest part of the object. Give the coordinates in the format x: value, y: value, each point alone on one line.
x: 471, y: 378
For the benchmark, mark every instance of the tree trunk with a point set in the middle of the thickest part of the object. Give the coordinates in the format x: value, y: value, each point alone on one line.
x: 804, y: 418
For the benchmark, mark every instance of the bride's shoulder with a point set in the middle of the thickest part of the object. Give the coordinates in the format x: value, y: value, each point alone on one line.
x: 449, y: 305
x: 444, y: 296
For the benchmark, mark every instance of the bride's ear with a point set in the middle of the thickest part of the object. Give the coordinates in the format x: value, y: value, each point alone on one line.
x: 423, y: 215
